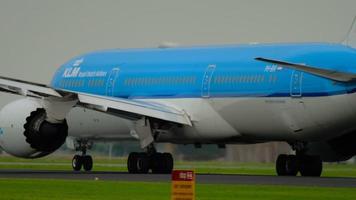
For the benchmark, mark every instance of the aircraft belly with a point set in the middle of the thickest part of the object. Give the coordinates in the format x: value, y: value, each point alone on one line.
x: 86, y: 123
x: 333, y: 114
x: 351, y: 104
x: 207, y: 122
x: 281, y: 118
x: 257, y: 118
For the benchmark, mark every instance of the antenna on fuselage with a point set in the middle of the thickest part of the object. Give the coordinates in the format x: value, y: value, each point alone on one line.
x: 165, y: 45
x: 350, y: 38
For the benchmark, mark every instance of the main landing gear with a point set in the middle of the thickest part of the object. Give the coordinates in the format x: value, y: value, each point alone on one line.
x: 142, y: 163
x: 290, y: 165
x: 82, y: 161
x: 158, y: 163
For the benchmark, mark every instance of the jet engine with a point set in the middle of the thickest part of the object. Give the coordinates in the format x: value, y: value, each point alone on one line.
x: 337, y: 149
x: 25, y: 131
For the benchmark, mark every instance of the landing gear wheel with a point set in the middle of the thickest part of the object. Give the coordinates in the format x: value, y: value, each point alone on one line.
x: 83, y: 160
x: 142, y: 163
x: 287, y: 165
x: 281, y: 165
x: 138, y: 163
x: 162, y: 163
x: 168, y: 160
x: 310, y: 166
x: 77, y: 162
x: 87, y: 163
x: 157, y: 163
x: 132, y: 163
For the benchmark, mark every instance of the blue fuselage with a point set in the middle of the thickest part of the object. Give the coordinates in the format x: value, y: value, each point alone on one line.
x: 211, y: 71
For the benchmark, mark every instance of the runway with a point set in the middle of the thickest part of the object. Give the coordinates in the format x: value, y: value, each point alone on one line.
x: 201, y: 178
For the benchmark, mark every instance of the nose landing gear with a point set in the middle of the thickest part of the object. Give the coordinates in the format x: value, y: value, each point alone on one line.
x: 82, y: 161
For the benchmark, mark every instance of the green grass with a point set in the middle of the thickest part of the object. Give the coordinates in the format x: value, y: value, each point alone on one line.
x: 64, y: 189
x: 96, y: 189
x: 56, y: 162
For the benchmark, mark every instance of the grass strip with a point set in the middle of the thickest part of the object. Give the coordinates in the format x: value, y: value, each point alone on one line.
x: 76, y: 189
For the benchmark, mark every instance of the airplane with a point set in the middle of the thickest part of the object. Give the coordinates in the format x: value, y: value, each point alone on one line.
x: 300, y: 93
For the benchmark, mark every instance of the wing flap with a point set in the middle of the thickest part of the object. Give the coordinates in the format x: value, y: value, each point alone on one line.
x: 133, y: 108
x: 325, y: 73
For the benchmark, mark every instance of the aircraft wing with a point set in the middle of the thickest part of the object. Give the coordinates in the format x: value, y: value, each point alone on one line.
x: 325, y: 73
x: 129, y: 108
x: 25, y: 88
x: 126, y: 108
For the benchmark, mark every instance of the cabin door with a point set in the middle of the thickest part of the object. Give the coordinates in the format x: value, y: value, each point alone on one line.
x: 205, y: 92
x: 296, y: 84
x: 110, y: 85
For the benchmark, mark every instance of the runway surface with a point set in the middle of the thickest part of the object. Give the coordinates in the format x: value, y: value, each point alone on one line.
x: 201, y: 178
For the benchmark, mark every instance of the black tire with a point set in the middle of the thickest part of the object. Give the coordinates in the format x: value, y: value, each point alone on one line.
x: 292, y: 165
x: 287, y: 165
x: 77, y: 162
x: 87, y: 163
x: 157, y: 164
x: 142, y: 163
x: 132, y: 163
x: 162, y: 163
x: 169, y: 163
x: 281, y: 165
x: 311, y: 166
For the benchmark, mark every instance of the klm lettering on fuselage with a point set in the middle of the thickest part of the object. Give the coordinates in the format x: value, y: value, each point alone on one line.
x: 273, y: 68
x: 71, y: 72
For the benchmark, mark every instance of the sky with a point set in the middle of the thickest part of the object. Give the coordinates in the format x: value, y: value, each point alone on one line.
x: 37, y: 36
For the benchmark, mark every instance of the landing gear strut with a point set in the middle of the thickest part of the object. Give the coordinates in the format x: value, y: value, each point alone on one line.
x: 290, y: 165
x: 82, y: 161
x: 158, y: 163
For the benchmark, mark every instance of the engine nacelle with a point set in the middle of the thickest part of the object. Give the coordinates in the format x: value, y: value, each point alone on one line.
x: 338, y: 149
x: 26, y: 133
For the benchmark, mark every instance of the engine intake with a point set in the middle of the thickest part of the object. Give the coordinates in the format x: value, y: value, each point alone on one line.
x: 43, y: 135
x: 26, y: 133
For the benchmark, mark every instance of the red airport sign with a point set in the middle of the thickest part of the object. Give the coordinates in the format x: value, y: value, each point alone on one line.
x: 183, y: 185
